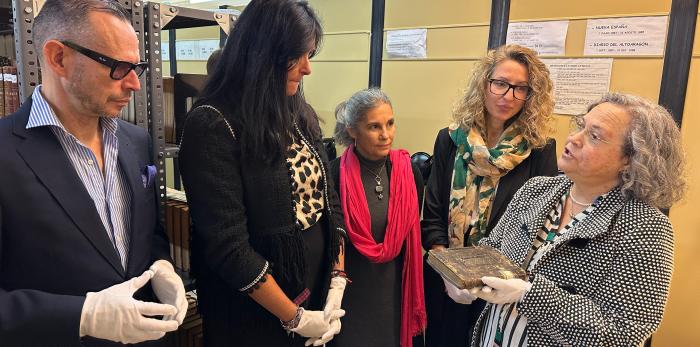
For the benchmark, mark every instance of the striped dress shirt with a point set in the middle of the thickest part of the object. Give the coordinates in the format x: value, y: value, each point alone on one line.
x: 109, y: 190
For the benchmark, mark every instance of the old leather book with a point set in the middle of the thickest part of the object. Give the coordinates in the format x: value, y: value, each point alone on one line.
x: 465, y: 266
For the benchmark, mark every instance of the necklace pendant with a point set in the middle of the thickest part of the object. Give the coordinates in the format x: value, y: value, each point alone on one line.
x: 379, y: 189
x: 380, y: 196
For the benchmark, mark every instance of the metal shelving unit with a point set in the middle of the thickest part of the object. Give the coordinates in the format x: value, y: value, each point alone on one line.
x: 159, y: 17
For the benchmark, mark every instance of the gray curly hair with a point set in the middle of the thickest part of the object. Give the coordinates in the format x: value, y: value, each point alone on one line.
x: 353, y: 110
x: 653, y: 145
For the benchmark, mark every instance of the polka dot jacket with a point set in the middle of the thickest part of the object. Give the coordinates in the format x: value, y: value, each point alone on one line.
x: 606, y: 281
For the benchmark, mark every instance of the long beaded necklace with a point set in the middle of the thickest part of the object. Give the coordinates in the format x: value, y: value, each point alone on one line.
x: 379, y: 189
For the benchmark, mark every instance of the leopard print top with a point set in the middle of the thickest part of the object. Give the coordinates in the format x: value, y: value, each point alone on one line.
x: 307, y: 184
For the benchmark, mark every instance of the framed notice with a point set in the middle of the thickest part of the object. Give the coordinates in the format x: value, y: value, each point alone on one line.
x: 546, y: 38
x: 626, y: 36
x: 578, y: 82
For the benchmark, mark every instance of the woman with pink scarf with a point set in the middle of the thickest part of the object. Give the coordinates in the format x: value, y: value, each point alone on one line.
x: 380, y: 192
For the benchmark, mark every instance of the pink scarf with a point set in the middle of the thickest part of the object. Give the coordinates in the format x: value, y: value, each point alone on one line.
x: 403, y: 226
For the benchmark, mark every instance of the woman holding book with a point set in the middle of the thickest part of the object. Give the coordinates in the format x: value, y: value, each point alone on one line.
x: 380, y: 194
x: 598, y: 251
x: 267, y: 226
x: 497, y: 142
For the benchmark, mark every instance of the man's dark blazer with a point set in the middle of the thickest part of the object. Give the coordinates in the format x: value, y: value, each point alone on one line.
x: 53, y: 246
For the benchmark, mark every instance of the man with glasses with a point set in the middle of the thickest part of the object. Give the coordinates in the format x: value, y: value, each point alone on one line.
x: 83, y: 258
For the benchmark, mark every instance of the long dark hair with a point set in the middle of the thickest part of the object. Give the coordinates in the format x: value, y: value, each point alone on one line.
x: 251, y: 79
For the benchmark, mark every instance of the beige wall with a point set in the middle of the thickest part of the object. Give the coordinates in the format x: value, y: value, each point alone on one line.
x: 681, y: 326
x: 423, y: 91
x: 342, y: 65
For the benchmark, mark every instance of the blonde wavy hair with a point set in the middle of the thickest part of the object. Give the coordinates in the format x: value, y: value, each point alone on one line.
x: 534, y: 119
x: 655, y: 173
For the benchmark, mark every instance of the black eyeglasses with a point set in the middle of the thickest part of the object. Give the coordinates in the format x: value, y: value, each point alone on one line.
x: 118, y: 68
x: 500, y: 87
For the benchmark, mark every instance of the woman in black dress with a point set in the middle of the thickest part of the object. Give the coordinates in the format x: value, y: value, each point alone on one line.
x: 380, y: 194
x: 497, y: 142
x: 267, y: 227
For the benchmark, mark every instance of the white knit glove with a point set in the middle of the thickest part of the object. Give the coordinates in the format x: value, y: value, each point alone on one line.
x: 331, y: 311
x: 169, y: 289
x: 460, y: 296
x: 113, y: 314
x: 500, y: 291
x: 313, y: 324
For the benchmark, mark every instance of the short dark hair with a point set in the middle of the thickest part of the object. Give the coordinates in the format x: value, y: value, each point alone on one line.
x: 68, y: 20
x: 250, y: 80
x: 213, y: 60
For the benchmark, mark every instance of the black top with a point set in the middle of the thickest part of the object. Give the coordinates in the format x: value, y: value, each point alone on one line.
x: 373, y: 300
x: 244, y: 224
x: 541, y: 162
x: 449, y: 323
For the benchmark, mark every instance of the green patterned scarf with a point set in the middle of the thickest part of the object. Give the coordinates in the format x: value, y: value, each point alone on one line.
x: 476, y: 173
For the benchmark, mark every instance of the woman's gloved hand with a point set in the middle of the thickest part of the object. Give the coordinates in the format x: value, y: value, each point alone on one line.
x: 500, y: 291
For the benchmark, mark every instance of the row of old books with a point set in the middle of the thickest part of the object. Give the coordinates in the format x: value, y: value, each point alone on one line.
x: 9, y: 91
x: 177, y: 226
x: 189, y: 334
x: 169, y: 109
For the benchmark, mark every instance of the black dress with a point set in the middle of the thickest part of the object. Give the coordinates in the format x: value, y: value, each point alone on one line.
x: 373, y: 300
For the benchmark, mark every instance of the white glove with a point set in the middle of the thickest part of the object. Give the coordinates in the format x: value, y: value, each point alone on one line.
x: 169, y: 289
x: 460, y: 296
x: 313, y: 324
x: 113, y: 314
x: 331, y: 311
x: 500, y: 291
x: 332, y: 331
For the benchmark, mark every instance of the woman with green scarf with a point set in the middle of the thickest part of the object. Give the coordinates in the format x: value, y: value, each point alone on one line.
x: 497, y: 142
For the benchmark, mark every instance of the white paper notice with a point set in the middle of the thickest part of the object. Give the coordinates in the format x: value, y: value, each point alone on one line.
x: 186, y: 50
x: 165, y: 50
x: 206, y: 47
x: 626, y: 36
x: 406, y: 43
x: 546, y: 38
x: 578, y: 82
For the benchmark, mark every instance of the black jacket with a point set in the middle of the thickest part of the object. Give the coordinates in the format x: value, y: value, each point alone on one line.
x: 53, y: 246
x: 541, y: 162
x: 243, y: 217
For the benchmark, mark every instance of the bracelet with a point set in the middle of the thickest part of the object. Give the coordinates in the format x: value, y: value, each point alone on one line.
x: 294, y: 322
x: 341, y: 273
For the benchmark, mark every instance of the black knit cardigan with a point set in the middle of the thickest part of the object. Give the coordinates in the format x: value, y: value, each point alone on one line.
x: 244, y: 222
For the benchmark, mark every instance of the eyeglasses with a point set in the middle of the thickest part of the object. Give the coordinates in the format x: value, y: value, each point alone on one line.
x: 118, y: 68
x: 500, y: 87
x: 578, y: 124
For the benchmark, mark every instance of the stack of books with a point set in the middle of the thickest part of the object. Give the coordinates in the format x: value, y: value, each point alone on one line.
x: 9, y: 91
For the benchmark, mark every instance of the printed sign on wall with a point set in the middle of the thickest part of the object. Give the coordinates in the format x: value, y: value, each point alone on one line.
x: 626, y: 36
x: 578, y: 82
x: 546, y: 38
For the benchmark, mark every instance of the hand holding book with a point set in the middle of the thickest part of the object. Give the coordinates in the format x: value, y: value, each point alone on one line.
x: 464, y: 267
x: 500, y: 291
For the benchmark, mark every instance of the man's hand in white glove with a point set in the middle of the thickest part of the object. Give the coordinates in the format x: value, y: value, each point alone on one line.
x: 500, y: 291
x: 331, y: 311
x: 460, y: 296
x: 113, y: 314
x: 169, y: 289
x: 313, y: 324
